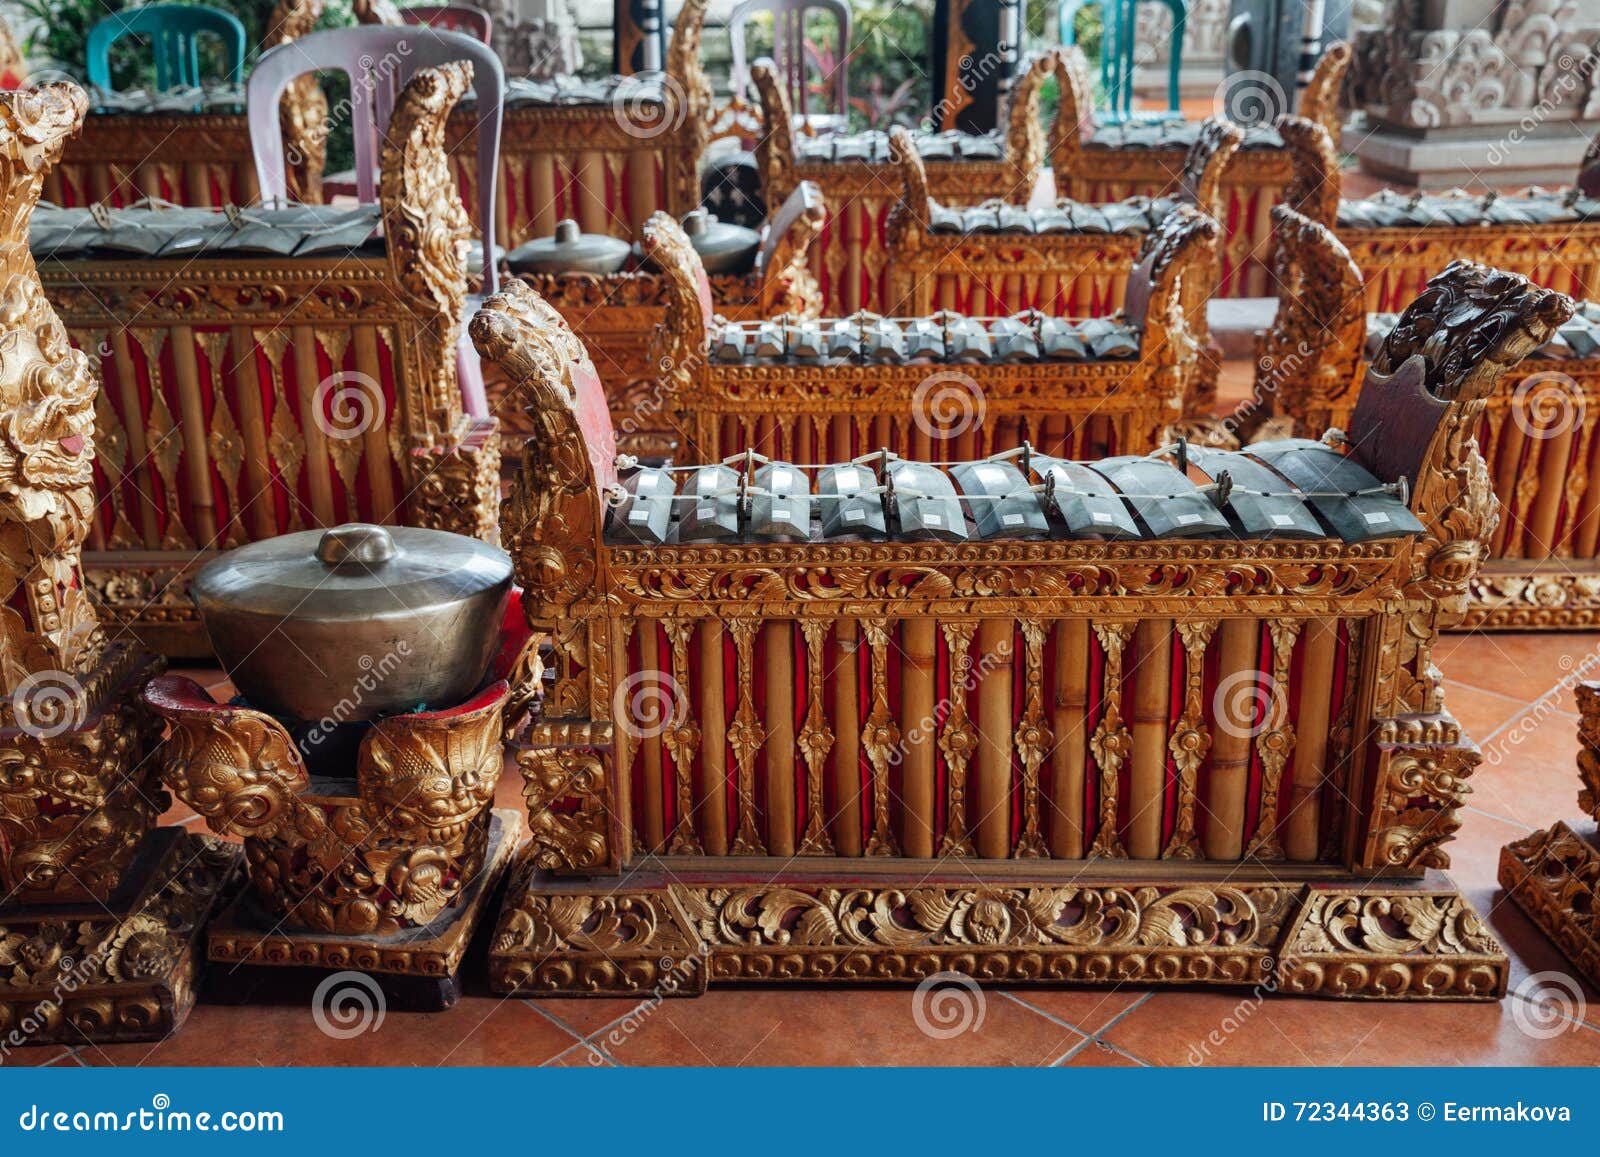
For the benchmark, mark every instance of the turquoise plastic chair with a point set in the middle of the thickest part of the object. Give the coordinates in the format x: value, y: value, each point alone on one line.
x: 1118, y: 21
x: 173, y: 30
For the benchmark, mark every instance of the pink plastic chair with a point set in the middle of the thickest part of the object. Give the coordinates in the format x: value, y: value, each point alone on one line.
x: 379, y: 61
x: 461, y: 18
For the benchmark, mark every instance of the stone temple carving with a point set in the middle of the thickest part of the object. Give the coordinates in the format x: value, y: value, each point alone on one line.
x: 1520, y: 70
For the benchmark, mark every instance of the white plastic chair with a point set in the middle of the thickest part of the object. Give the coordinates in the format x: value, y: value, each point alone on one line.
x: 379, y: 60
x: 789, y: 52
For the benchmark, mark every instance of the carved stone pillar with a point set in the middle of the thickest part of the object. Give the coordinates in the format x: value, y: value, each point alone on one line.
x: 1452, y: 89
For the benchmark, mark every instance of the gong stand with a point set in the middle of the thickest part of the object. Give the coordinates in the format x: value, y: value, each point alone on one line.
x: 381, y: 860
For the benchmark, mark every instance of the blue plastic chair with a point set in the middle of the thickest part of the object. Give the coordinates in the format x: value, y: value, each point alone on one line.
x: 1118, y: 22
x: 173, y: 30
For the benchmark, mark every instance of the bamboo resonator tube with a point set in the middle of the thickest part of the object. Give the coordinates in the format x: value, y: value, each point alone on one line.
x: 992, y: 737
x: 215, y: 437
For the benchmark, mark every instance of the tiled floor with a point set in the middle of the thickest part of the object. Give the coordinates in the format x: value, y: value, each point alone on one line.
x: 1511, y: 692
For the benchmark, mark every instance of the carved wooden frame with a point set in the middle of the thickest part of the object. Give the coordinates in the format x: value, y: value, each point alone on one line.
x: 859, y: 195
x: 102, y: 910
x: 618, y: 314
x: 387, y: 869
x: 399, y: 312
x: 1396, y: 262
x: 1003, y: 265
x: 690, y: 918
x: 1145, y: 394
x: 1309, y: 370
x: 927, y: 267
x: 1252, y: 184
x: 1553, y: 874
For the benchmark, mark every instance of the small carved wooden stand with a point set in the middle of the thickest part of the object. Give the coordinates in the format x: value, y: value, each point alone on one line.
x: 386, y: 871
x: 1553, y: 875
x: 100, y: 910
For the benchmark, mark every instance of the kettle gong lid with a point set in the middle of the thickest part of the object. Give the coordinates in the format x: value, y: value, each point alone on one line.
x: 355, y: 571
x: 570, y: 250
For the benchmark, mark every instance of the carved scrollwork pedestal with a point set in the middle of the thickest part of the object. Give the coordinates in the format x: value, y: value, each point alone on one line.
x: 652, y: 933
x: 385, y: 869
x: 1553, y: 875
x: 1560, y: 595
x: 103, y: 913
x: 124, y: 971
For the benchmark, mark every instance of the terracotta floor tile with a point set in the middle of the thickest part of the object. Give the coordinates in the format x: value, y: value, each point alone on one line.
x: 1098, y: 1055
x: 1529, y: 771
x: 1480, y: 713
x: 478, y: 1031
x: 1523, y: 666
x: 580, y: 1056
x: 1176, y: 1028
x: 34, y: 1056
x: 1086, y: 1009
x: 813, y: 1027
x: 587, y: 1016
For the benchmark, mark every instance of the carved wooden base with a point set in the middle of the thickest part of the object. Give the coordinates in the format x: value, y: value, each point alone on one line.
x: 122, y: 971
x: 1563, y: 599
x: 242, y: 934
x: 144, y: 595
x: 652, y: 932
x: 1552, y: 876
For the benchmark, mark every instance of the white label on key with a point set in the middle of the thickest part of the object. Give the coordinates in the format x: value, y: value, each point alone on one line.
x: 638, y: 514
x: 1011, y: 519
x: 933, y: 519
x: 1102, y: 516
x: 854, y: 515
x: 1186, y: 519
x: 1377, y: 516
x: 1282, y: 520
x: 780, y: 512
